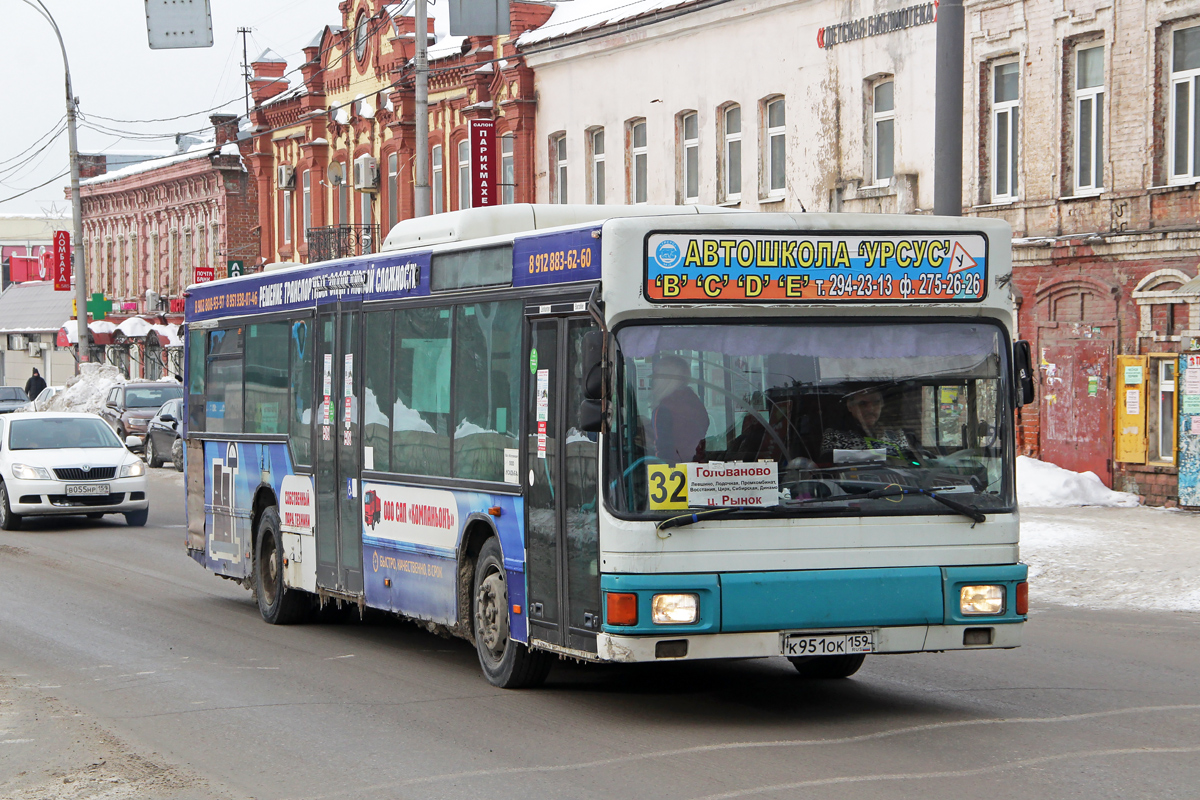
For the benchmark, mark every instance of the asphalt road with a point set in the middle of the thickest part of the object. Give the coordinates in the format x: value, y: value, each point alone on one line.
x: 128, y: 671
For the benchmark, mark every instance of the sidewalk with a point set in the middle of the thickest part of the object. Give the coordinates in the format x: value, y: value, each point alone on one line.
x: 1126, y: 558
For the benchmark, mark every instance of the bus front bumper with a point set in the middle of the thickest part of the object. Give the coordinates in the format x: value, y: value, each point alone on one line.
x: 900, y: 639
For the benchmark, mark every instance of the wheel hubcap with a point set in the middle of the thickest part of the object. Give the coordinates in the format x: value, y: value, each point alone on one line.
x: 491, y: 621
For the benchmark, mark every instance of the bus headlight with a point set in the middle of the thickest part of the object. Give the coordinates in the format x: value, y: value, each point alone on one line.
x: 674, y: 609
x: 974, y: 601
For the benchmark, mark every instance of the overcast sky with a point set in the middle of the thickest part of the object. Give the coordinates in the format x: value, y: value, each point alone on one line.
x: 116, y: 74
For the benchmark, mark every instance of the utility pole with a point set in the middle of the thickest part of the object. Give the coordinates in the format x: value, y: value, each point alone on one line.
x: 245, y: 67
x: 85, y: 339
x: 421, y: 204
x: 948, y: 110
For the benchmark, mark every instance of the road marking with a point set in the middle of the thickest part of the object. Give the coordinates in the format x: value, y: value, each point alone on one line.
x: 801, y: 743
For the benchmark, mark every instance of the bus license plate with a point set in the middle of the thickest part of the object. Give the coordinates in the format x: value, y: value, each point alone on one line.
x: 825, y: 644
x: 87, y: 488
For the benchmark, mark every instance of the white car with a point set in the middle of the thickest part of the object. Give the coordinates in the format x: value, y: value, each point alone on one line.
x: 56, y: 463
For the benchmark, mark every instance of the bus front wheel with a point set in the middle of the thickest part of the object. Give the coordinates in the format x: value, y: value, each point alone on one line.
x: 278, y: 604
x: 506, y: 663
x: 828, y: 667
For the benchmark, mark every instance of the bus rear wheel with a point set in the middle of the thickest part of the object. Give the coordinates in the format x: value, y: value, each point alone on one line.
x: 506, y: 663
x: 828, y: 667
x: 278, y: 604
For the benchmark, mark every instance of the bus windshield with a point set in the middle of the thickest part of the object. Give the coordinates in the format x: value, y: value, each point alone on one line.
x: 810, y: 418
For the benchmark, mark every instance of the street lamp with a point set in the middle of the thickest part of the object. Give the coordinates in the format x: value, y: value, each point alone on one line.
x: 76, y: 202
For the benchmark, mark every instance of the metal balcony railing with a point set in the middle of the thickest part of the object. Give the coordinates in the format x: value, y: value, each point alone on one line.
x: 340, y: 241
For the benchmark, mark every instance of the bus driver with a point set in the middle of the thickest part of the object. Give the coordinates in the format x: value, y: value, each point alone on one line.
x: 679, y: 420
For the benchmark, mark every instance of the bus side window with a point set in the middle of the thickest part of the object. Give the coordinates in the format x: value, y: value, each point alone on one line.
x: 267, y: 377
x: 197, y: 362
x: 301, y: 388
x: 378, y: 391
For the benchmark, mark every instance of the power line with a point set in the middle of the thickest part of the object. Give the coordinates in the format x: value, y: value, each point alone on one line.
x: 54, y: 133
x: 35, y: 188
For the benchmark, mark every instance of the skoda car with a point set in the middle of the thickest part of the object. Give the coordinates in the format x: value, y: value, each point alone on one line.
x: 63, y: 463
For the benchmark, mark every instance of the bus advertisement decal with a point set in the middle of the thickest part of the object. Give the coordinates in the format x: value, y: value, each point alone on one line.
x: 564, y: 257
x: 815, y: 268
x: 385, y: 277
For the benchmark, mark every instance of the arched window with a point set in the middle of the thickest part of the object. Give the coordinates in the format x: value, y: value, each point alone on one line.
x: 361, y: 35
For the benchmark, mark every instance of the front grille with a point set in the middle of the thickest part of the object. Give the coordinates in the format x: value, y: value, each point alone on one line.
x: 94, y: 474
x: 74, y: 500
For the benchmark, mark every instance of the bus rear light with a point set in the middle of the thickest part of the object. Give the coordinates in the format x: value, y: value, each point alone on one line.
x: 1022, y: 603
x: 621, y: 608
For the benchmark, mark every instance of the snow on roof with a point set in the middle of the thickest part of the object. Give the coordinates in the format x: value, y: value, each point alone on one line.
x: 448, y: 47
x: 33, y: 307
x: 195, y: 151
x: 269, y: 56
x: 581, y: 15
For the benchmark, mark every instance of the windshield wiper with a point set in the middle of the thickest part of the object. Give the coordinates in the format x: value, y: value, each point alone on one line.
x: 700, y: 515
x: 896, y: 489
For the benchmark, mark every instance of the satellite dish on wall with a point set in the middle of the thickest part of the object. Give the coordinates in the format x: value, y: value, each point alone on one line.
x: 335, y: 173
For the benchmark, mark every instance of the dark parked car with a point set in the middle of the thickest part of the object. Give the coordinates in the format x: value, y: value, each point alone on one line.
x: 164, y: 436
x: 12, y: 398
x: 130, y: 406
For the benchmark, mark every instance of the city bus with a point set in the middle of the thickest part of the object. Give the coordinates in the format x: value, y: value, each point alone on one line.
x: 641, y: 434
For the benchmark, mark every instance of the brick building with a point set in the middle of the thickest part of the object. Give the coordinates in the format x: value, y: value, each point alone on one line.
x: 1101, y: 187
x: 333, y: 153
x: 152, y: 228
x: 1080, y: 131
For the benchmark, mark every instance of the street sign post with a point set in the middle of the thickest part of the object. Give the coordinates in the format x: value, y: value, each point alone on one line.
x: 62, y: 261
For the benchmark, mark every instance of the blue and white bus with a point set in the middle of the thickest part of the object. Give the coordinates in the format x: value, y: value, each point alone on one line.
x: 624, y: 434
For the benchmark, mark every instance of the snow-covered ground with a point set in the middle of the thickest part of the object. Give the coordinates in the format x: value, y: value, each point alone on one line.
x: 1087, y: 545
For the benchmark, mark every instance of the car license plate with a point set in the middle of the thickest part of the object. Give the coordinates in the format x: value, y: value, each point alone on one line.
x: 87, y: 488
x: 828, y: 644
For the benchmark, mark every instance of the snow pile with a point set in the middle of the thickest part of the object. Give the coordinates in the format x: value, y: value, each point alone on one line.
x: 1043, y: 485
x: 581, y: 15
x: 1118, y: 558
x: 87, y: 390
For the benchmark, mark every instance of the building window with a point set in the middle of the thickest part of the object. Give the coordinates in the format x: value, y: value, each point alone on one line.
x: 1005, y: 128
x: 438, y: 181
x: 883, y: 131
x: 464, y: 174
x: 306, y: 203
x: 1089, y: 119
x: 287, y: 217
x: 508, y: 172
x: 361, y: 34
x: 596, y: 172
x: 368, y: 216
x: 689, y: 162
x: 638, y: 163
x: 1160, y: 427
x: 393, y: 179
x: 558, y: 168
x: 775, y: 152
x: 1185, y: 111
x: 731, y: 166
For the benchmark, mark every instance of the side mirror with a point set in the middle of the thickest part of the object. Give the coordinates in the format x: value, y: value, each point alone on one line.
x: 167, y: 417
x: 132, y: 442
x: 591, y: 416
x: 1023, y: 372
x: 591, y: 357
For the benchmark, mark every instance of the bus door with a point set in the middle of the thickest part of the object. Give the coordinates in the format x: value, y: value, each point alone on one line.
x: 561, y: 522
x: 339, y: 453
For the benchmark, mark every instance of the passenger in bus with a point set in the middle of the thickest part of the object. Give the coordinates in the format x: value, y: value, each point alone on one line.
x: 680, y: 421
x: 863, y: 430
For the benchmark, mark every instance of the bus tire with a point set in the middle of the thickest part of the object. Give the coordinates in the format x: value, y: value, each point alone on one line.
x: 278, y: 604
x: 828, y: 667
x: 506, y: 663
x: 8, y: 520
